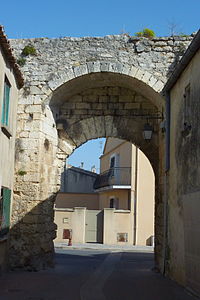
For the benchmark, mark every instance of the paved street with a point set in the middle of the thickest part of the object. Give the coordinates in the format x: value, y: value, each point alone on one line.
x: 88, y: 274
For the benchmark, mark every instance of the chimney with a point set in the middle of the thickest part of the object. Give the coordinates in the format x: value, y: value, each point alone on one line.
x: 93, y: 169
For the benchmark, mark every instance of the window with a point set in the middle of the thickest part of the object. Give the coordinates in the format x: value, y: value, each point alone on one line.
x: 114, y: 203
x: 4, y: 211
x: 187, y: 106
x: 114, y: 166
x: 65, y: 220
x: 6, y: 103
x: 112, y: 162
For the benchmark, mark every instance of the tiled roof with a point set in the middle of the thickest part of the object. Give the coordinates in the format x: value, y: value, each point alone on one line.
x: 6, y: 48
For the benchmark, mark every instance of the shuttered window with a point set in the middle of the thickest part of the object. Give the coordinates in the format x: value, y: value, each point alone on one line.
x: 5, y: 211
x: 6, y: 103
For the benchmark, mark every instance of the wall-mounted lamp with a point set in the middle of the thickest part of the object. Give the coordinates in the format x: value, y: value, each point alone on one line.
x: 61, y: 124
x: 147, y: 131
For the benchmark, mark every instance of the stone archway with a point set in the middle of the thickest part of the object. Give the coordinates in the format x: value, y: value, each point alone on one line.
x: 94, y: 102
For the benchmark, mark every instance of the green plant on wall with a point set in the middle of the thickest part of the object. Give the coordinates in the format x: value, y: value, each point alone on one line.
x: 29, y: 50
x: 146, y: 32
x: 22, y: 173
x: 21, y: 61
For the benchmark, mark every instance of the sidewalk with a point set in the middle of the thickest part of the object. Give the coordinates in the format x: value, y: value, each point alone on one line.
x: 105, y: 247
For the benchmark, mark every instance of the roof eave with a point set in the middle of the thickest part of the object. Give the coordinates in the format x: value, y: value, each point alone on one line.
x: 7, y: 50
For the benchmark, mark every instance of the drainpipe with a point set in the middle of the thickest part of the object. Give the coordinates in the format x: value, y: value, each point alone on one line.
x: 135, y: 198
x: 167, y: 167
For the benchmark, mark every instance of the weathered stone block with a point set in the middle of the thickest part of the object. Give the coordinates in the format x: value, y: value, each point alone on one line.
x: 125, y: 98
x: 83, y: 105
x: 34, y: 90
x: 80, y: 70
x: 132, y: 105
x: 133, y: 71
x: 33, y: 108
x: 81, y: 112
x: 90, y: 98
x: 103, y: 98
x: 113, y: 91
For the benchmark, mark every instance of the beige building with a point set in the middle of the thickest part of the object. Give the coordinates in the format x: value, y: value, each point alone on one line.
x: 183, y: 169
x: 122, y: 208
x: 126, y: 183
x: 10, y: 81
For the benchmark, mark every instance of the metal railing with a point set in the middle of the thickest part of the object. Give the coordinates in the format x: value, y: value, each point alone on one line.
x: 113, y: 176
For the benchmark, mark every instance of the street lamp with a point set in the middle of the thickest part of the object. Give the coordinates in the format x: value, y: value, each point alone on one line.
x: 147, y: 131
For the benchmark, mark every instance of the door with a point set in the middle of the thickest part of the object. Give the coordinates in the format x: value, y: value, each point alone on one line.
x: 93, y: 226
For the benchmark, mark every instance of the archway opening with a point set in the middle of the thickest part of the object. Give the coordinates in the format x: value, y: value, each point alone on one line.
x: 113, y: 105
x: 96, y: 105
x: 106, y: 197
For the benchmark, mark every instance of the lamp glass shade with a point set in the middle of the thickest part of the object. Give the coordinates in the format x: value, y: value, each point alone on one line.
x: 147, y: 132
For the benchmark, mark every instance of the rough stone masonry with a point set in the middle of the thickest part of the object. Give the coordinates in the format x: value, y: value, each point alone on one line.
x: 77, y: 89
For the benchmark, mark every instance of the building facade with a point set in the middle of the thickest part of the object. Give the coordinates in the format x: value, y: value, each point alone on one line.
x: 126, y: 182
x: 120, y: 208
x: 183, y: 171
x: 10, y: 82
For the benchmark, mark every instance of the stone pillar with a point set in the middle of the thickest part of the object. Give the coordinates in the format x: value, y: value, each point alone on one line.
x: 38, y: 170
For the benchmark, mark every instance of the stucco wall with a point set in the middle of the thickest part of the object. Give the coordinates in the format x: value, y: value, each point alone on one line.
x: 71, y: 200
x: 7, y: 145
x: 115, y: 222
x: 76, y: 222
x: 119, y: 147
x: 59, y: 216
x: 184, y: 174
x: 122, y: 195
x: 140, y: 197
x: 146, y: 201
x: 76, y: 180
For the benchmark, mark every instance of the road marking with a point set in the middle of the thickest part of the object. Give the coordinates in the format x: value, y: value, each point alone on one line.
x: 93, y: 288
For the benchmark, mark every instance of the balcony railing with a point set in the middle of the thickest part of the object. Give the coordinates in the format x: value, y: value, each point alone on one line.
x: 113, y: 176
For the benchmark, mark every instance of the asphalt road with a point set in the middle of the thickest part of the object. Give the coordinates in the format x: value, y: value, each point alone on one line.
x: 93, y: 275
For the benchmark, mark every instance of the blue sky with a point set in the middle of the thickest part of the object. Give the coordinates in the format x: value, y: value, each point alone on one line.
x: 24, y: 19
x: 27, y: 19
x: 89, y: 154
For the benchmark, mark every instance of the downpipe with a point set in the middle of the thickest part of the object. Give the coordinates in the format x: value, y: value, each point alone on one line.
x: 167, y: 167
x: 135, y: 198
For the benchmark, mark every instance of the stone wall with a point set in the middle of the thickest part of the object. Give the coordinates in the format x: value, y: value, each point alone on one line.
x: 77, y: 89
x: 53, y: 56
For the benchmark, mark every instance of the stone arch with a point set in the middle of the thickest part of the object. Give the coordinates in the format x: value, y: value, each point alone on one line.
x: 78, y: 131
x: 143, y: 76
x: 121, y: 119
x: 74, y: 86
x: 109, y: 126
